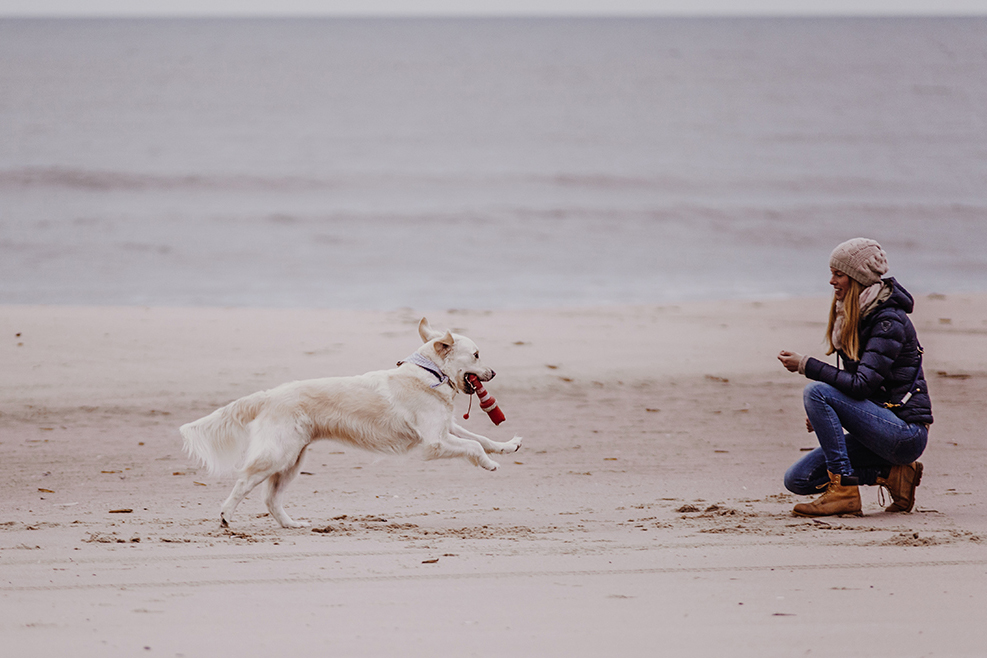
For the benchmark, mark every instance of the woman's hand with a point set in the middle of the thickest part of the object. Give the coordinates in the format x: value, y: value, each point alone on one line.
x: 790, y: 360
x: 808, y: 426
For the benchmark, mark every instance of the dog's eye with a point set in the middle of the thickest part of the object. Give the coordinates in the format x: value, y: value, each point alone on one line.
x: 476, y: 355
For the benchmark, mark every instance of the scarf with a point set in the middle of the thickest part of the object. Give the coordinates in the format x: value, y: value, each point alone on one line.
x: 870, y: 297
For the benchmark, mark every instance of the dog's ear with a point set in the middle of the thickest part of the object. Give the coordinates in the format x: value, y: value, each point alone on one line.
x: 426, y: 332
x: 444, y: 345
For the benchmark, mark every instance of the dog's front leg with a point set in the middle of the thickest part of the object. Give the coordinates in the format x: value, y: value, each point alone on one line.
x: 449, y: 446
x: 490, y: 447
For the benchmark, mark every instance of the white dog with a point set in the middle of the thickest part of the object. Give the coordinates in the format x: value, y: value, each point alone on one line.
x: 264, y: 436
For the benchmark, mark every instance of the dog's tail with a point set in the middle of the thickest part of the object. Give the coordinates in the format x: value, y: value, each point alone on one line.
x: 220, y: 440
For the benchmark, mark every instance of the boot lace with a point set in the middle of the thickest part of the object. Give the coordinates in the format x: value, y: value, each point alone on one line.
x: 883, y: 493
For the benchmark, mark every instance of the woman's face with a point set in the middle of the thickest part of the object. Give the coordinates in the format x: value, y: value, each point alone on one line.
x: 840, y: 283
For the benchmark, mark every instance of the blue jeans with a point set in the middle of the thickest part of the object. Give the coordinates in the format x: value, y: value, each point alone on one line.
x: 875, y: 439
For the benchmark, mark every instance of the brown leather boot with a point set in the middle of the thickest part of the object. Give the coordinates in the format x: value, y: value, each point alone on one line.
x: 839, y: 499
x: 901, y: 483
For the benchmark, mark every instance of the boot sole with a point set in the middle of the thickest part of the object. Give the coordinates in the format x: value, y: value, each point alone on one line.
x: 820, y: 516
x: 817, y: 516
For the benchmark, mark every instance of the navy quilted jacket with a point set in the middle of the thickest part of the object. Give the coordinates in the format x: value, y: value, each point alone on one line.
x: 890, y: 361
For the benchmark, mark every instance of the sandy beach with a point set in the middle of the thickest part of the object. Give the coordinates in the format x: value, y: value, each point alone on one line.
x: 644, y: 515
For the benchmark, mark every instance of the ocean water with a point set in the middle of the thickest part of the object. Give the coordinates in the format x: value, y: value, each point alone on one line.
x: 484, y: 163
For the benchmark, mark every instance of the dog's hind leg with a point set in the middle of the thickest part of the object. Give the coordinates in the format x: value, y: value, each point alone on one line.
x: 243, y: 486
x: 276, y: 484
x: 275, y: 450
x: 490, y: 447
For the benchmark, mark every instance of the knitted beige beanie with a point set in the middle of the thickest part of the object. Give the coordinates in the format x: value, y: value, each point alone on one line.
x: 861, y: 259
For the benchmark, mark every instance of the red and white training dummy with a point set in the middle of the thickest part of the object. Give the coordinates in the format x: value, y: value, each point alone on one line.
x: 487, y: 402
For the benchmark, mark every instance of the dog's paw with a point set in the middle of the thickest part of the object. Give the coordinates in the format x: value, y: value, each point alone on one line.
x: 516, y: 443
x: 490, y: 465
x: 291, y: 524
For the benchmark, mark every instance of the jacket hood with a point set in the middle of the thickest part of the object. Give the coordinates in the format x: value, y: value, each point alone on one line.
x: 900, y: 298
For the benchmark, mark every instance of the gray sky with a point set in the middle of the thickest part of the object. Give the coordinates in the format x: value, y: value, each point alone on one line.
x: 490, y: 7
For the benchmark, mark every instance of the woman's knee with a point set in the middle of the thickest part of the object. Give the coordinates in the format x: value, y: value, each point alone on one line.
x: 797, y: 484
x: 792, y: 483
x: 804, y: 476
x: 796, y: 480
x: 816, y: 391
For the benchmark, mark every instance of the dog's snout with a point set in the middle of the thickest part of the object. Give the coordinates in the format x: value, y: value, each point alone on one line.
x: 492, y: 374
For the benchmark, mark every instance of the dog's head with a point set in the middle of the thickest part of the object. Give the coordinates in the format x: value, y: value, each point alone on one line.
x: 456, y: 355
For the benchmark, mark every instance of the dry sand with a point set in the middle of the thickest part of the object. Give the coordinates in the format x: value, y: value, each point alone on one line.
x: 644, y: 515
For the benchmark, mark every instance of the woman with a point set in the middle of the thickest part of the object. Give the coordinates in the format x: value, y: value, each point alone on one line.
x: 871, y: 416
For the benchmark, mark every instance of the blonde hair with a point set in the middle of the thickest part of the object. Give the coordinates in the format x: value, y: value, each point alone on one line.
x: 849, y: 336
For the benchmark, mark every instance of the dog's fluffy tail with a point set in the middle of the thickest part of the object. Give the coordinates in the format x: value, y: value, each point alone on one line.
x: 219, y: 441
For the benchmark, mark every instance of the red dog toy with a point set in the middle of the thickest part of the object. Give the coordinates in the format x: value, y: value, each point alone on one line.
x: 487, y: 402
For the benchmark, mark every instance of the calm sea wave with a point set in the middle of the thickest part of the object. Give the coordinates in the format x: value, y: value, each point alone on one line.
x: 484, y: 163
